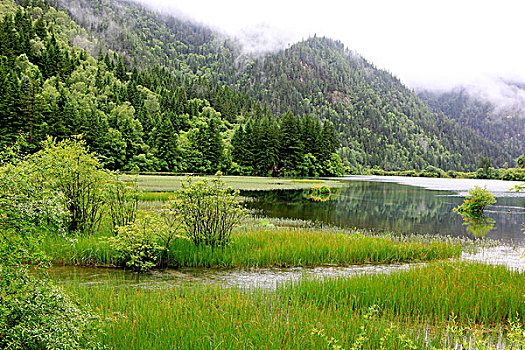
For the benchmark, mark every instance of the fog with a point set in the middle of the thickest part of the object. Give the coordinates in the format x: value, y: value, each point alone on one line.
x: 427, y: 44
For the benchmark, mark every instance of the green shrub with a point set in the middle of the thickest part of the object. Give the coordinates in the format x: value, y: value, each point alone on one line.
x: 477, y: 199
x: 137, y: 243
x: 121, y: 201
x: 66, y: 166
x: 208, y: 210
x: 34, y: 314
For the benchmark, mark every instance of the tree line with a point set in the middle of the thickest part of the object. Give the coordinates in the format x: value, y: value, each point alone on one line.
x: 149, y: 119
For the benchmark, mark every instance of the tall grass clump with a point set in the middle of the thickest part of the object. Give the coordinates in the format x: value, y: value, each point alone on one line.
x: 474, y: 292
x: 263, y: 247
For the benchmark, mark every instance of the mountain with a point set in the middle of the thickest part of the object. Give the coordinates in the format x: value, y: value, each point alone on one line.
x: 504, y: 125
x: 156, y: 70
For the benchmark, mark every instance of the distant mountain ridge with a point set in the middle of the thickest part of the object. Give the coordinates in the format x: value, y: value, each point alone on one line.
x: 379, y: 122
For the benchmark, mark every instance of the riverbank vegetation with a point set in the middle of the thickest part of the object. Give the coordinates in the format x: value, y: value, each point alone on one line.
x: 59, y: 209
x: 439, y: 306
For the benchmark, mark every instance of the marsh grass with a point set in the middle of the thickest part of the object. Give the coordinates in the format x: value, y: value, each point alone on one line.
x: 156, y: 183
x: 265, y: 246
x: 414, y: 309
x: 474, y: 292
x: 213, y: 317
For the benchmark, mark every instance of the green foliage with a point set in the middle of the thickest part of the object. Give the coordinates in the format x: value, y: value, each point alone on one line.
x: 202, y: 106
x: 320, y: 193
x: 28, y: 207
x: 209, y: 211
x: 67, y: 167
x: 121, y: 199
x: 520, y: 162
x: 34, y: 314
x: 476, y: 201
x: 137, y: 244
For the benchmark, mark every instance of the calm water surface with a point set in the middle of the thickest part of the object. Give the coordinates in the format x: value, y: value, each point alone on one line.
x: 391, y: 204
x: 403, y: 205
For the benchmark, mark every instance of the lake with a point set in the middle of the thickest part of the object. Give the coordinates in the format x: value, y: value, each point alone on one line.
x: 402, y: 205
x: 386, y: 204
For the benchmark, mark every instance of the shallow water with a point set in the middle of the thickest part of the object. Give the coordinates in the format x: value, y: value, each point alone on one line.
x: 402, y: 205
x: 267, y: 278
x: 397, y: 204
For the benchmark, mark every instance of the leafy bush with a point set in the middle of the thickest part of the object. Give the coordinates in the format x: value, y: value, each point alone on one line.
x: 208, y: 210
x: 121, y: 200
x: 66, y: 166
x: 477, y: 199
x: 34, y: 314
x: 140, y: 244
x: 319, y: 193
x: 137, y: 244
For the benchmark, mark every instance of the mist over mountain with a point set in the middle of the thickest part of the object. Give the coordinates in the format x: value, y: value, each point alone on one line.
x: 172, y: 70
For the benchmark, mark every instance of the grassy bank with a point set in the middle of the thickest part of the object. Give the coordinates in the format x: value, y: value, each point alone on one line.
x: 410, y: 313
x: 157, y: 183
x: 267, y: 246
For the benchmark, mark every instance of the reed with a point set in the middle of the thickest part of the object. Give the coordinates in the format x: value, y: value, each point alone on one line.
x: 411, y: 309
x: 473, y: 292
x: 213, y: 317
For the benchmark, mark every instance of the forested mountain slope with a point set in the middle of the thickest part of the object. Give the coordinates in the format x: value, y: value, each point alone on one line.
x: 377, y: 121
x: 502, y: 125
x: 141, y: 119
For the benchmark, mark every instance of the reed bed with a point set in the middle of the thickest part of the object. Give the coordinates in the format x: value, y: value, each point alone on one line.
x: 266, y: 247
x: 412, y: 310
x: 213, y: 317
x: 473, y: 292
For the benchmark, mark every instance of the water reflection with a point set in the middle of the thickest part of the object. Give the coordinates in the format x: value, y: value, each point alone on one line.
x: 478, y: 225
x: 391, y: 207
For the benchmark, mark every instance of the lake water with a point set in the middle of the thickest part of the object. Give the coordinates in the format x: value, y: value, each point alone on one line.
x: 391, y: 204
x: 403, y: 205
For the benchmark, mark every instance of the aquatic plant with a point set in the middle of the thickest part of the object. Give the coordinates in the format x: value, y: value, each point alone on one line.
x: 319, y: 193
x: 474, y: 292
x: 476, y: 201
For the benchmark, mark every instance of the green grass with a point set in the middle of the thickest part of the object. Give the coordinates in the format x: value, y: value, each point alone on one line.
x: 264, y: 247
x: 474, y: 292
x: 157, y: 183
x: 412, y: 305
x: 212, y: 317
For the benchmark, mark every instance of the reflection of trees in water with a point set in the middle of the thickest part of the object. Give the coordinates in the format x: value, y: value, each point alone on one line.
x: 389, y: 207
x: 362, y: 204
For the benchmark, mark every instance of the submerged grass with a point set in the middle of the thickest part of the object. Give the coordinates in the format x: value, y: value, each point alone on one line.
x: 473, y: 292
x: 409, y: 308
x: 158, y: 183
x: 267, y: 246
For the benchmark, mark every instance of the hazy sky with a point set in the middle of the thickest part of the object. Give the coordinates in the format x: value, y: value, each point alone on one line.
x: 431, y: 43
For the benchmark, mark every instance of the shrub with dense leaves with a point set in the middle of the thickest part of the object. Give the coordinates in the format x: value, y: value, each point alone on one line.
x: 208, y: 210
x: 137, y: 243
x: 476, y: 201
x: 34, y: 314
